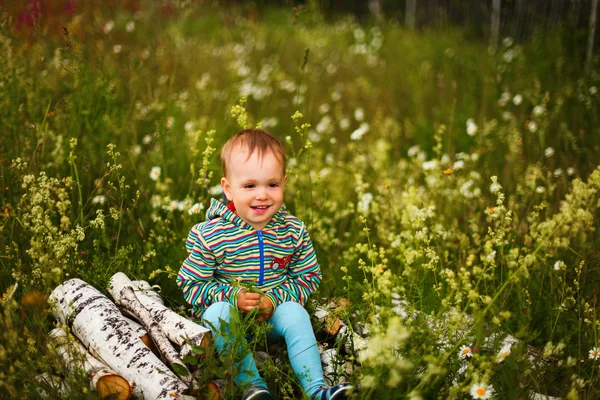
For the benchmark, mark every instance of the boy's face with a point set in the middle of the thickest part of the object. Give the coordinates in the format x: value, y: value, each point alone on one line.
x: 255, y: 185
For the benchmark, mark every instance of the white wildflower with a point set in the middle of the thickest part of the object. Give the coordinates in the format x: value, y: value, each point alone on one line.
x: 495, y: 187
x: 98, y: 199
x: 465, y: 352
x: 108, y: 27
x: 130, y: 27
x: 538, y: 110
x: 570, y: 171
x: 324, y: 108
x: 549, y: 152
x: 359, y: 133
x: 117, y: 48
x: 359, y: 114
x: 364, y: 203
x: 155, y: 173
x: 557, y: 172
x: 593, y: 90
x: 481, y: 391
x: 518, y: 99
x: 430, y: 165
x: 507, y: 41
x: 147, y: 139
x: 594, y: 354
x: 560, y: 266
x: 532, y: 126
x: 414, y: 150
x: 196, y: 208
x: 458, y: 165
x: 504, y: 98
x: 155, y: 201
x: 540, y: 189
x: 344, y: 123
x: 503, y: 353
x: 471, y: 127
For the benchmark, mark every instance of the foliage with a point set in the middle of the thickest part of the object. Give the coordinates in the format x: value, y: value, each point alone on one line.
x: 459, y: 180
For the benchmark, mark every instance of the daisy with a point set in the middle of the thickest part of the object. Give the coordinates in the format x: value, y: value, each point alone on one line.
x: 465, y: 352
x: 481, y: 391
x: 594, y: 354
x: 156, y: 201
x: 559, y: 265
x: 155, y: 173
x: 532, y: 126
x: 549, y: 152
x: 503, y: 353
x: 518, y: 99
x: 538, y: 110
x: 471, y: 127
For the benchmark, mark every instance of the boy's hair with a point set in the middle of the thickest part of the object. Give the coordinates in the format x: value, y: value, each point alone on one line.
x: 253, y: 140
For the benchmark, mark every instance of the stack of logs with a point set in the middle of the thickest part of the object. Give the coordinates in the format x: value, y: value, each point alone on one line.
x: 116, y: 352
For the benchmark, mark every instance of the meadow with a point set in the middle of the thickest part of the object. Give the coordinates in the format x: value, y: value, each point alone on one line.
x: 451, y: 189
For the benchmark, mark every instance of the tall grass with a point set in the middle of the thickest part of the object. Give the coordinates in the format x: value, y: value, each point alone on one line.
x: 428, y: 168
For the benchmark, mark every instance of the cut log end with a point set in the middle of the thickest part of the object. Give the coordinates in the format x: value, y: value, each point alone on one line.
x: 147, y: 340
x: 207, y: 344
x: 332, y: 324
x: 114, y: 387
x: 214, y: 390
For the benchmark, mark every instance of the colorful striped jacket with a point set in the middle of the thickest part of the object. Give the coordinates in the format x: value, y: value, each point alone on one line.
x: 224, y: 250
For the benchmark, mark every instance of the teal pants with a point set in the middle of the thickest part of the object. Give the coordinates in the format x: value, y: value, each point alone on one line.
x: 291, y: 323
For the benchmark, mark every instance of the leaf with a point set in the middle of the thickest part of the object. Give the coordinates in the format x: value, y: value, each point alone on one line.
x: 191, y: 360
x: 180, y: 369
x: 198, y: 350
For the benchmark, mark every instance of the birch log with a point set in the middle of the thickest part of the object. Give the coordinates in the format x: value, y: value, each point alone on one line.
x: 98, y: 323
x: 121, y: 289
x: 102, y: 379
x: 178, y: 329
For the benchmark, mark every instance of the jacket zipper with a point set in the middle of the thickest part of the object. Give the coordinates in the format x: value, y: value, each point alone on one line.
x: 261, y: 249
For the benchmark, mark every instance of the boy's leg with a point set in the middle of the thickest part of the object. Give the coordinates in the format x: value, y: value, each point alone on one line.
x: 292, y: 323
x: 218, y: 314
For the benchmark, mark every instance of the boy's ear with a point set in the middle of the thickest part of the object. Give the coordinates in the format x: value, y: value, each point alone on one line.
x: 226, y: 188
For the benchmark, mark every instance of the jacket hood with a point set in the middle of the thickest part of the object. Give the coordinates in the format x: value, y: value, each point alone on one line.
x: 218, y: 210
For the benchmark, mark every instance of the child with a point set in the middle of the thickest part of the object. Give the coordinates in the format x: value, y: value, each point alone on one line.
x: 255, y: 240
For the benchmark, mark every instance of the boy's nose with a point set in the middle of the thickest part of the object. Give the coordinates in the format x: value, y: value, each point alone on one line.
x: 261, y: 194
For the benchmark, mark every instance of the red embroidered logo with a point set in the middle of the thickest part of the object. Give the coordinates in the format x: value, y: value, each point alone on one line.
x: 280, y: 263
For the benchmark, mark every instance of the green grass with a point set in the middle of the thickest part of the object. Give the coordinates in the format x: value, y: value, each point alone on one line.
x: 432, y: 232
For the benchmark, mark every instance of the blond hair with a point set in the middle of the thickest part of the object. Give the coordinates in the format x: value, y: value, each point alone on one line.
x: 253, y: 140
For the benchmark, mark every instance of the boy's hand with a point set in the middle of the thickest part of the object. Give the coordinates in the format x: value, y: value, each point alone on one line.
x: 265, y: 309
x: 248, y: 301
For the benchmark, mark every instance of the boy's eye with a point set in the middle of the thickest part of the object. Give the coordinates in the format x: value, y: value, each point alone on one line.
x: 249, y: 186
x: 273, y: 185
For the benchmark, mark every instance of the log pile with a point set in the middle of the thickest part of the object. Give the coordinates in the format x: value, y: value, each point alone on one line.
x: 124, y: 357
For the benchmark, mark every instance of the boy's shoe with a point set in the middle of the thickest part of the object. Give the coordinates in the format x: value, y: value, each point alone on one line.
x: 339, y: 392
x: 257, y: 393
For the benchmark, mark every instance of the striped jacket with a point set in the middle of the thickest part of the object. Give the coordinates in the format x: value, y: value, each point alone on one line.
x: 225, y: 250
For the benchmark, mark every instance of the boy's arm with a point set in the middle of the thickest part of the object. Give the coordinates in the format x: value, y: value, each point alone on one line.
x: 304, y: 274
x: 196, y: 275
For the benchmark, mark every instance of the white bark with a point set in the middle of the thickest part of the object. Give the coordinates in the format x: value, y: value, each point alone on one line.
x: 177, y: 328
x: 102, y: 379
x: 333, y: 371
x: 98, y: 323
x: 591, y: 35
x: 411, y: 6
x: 495, y: 29
x: 121, y: 288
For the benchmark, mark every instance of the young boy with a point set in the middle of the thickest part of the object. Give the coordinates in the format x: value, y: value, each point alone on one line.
x: 255, y: 240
